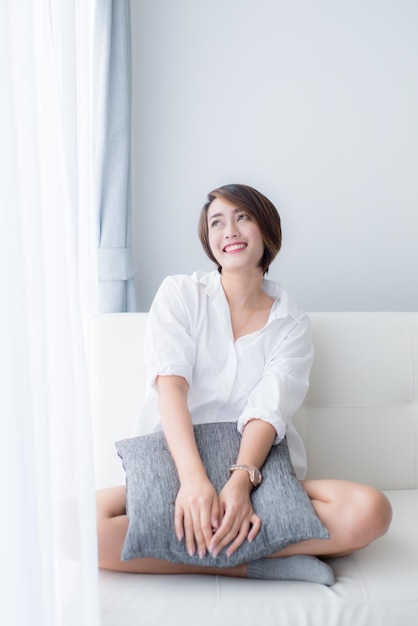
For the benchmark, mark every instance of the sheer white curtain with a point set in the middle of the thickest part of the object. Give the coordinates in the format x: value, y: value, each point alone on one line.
x: 48, y: 573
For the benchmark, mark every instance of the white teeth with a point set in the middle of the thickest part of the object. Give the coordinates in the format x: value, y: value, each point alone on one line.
x: 235, y: 246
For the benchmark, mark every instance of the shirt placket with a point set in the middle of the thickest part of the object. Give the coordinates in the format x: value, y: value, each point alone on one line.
x: 228, y: 376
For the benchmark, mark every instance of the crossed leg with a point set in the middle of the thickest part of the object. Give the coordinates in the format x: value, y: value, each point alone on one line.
x: 354, y: 514
x: 112, y: 525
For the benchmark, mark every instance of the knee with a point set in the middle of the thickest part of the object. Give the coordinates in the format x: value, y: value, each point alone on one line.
x: 383, y: 512
x: 110, y: 502
x: 103, y: 510
x: 102, y: 525
x: 372, y: 514
x: 111, y: 526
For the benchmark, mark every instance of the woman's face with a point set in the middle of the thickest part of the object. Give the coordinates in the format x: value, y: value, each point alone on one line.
x: 234, y: 236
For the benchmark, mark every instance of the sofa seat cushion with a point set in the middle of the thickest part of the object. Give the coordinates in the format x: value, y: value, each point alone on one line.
x: 375, y: 586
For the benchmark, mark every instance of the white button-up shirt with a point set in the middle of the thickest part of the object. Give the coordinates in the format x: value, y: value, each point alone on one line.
x: 263, y: 375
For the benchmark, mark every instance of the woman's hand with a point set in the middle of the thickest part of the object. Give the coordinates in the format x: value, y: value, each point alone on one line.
x: 196, y: 514
x: 239, y: 522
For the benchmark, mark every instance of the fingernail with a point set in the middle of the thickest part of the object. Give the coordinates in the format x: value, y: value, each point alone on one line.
x: 201, y: 554
x: 190, y: 551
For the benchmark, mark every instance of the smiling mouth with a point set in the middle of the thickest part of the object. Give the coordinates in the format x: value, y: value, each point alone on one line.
x: 232, y: 247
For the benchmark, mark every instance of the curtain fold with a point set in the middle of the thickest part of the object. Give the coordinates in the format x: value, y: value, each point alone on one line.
x: 49, y: 550
x: 112, y: 62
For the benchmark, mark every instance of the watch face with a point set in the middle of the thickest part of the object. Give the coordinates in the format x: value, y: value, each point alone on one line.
x: 256, y: 477
x: 253, y: 472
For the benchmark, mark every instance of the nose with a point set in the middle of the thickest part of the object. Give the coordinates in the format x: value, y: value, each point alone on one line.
x: 232, y: 230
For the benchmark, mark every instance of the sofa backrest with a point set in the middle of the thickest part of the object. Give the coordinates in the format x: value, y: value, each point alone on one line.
x: 360, y: 417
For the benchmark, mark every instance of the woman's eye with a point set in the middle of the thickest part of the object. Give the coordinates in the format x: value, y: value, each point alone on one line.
x: 215, y: 223
x: 242, y: 216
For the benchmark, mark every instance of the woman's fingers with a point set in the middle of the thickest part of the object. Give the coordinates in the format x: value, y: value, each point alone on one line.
x: 197, y: 516
x: 192, y: 532
x: 244, y: 534
x: 233, y: 533
x: 203, y: 530
x: 255, y: 527
x: 178, y: 522
x: 196, y: 524
x: 214, y: 518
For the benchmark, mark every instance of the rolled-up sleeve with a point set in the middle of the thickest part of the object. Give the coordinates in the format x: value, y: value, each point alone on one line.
x: 284, y: 383
x: 169, y: 348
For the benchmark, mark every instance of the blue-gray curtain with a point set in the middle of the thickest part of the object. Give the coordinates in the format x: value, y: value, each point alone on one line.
x: 112, y: 118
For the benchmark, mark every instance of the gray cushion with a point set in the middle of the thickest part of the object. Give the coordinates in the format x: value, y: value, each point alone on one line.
x: 152, y: 485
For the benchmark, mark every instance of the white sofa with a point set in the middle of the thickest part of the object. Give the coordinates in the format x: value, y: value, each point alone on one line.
x: 359, y: 422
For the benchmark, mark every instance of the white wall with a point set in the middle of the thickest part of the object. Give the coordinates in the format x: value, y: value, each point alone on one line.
x: 314, y: 102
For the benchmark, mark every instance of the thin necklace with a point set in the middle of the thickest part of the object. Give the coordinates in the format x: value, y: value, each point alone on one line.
x: 239, y: 329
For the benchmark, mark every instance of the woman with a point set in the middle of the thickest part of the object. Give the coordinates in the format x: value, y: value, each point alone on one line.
x: 232, y: 346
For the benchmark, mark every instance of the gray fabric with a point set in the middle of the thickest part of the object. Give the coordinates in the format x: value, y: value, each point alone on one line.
x: 112, y: 112
x: 152, y: 485
x: 298, y: 567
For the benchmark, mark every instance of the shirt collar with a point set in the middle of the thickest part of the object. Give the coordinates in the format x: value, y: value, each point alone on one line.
x: 283, y: 306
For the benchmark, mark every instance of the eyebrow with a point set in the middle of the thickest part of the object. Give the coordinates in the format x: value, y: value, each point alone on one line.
x: 237, y: 210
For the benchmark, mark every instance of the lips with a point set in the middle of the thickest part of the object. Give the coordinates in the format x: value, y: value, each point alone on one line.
x: 235, y: 247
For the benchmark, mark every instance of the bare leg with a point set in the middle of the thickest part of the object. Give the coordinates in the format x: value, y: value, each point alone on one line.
x: 354, y: 514
x: 112, y: 525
